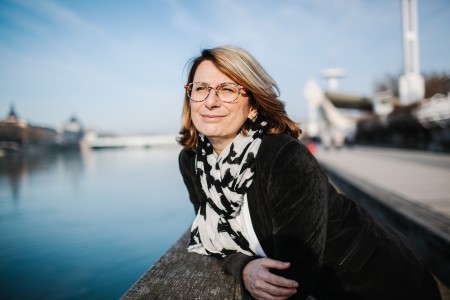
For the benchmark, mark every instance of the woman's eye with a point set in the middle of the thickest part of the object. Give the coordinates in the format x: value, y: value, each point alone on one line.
x: 200, y: 88
x: 228, y: 88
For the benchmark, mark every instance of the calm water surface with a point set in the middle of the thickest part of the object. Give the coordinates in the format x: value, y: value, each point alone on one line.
x: 87, y: 225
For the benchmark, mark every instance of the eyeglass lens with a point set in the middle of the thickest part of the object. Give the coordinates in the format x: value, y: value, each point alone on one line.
x: 226, y: 92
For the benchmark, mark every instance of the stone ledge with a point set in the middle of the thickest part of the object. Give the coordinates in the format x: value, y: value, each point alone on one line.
x: 179, y: 274
x: 427, y: 231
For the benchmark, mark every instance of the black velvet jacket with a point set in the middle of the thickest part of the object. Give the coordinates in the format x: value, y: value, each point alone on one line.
x: 336, y: 249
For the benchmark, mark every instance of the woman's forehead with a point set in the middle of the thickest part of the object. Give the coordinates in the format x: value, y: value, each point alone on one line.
x: 209, y: 73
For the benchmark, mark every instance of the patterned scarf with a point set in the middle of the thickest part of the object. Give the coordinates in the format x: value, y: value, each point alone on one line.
x: 224, y: 180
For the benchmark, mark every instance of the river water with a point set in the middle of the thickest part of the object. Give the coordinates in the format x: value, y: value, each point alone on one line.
x: 87, y: 225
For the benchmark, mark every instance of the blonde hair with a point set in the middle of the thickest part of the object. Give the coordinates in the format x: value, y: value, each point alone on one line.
x: 263, y: 92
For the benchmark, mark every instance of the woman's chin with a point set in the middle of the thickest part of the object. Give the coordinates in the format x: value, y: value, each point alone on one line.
x: 212, y: 131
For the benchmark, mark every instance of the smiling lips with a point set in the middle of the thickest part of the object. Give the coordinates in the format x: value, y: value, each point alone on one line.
x: 211, y: 117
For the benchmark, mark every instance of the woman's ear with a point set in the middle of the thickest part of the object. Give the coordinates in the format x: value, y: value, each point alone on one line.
x: 252, y: 114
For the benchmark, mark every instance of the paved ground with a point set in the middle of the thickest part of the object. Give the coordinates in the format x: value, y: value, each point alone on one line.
x: 421, y: 177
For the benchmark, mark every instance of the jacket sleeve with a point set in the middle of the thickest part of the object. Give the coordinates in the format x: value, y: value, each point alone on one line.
x: 297, y: 197
x: 233, y: 263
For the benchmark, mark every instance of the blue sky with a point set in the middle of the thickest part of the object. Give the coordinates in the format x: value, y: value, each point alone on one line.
x: 119, y: 65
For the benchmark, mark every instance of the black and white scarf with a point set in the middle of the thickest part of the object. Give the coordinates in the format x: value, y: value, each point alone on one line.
x: 225, y: 180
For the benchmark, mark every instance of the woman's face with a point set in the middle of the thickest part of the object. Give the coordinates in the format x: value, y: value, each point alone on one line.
x: 219, y: 121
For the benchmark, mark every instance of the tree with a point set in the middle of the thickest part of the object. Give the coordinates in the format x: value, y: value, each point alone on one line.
x: 390, y: 82
x: 435, y: 83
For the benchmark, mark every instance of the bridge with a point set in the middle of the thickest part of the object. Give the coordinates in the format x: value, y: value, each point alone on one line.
x: 145, y: 141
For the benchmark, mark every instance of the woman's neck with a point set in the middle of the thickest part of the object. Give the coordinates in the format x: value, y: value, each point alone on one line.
x: 219, y: 145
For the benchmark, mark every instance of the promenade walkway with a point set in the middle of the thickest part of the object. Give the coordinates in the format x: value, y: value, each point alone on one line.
x: 420, y: 177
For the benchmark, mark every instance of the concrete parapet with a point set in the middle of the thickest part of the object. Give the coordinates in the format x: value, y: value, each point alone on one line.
x: 427, y: 231
x: 180, y: 274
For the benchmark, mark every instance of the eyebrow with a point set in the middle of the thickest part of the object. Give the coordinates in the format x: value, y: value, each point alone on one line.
x: 225, y: 82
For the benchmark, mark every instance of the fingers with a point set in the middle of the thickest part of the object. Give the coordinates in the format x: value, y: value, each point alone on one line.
x: 277, y: 291
x: 279, y: 280
x: 263, y: 290
x: 275, y: 279
x: 275, y: 264
x: 262, y: 284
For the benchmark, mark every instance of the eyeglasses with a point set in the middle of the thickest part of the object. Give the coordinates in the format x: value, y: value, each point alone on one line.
x: 226, y: 92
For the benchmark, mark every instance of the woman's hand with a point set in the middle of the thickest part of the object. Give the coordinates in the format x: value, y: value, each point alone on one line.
x: 264, y: 285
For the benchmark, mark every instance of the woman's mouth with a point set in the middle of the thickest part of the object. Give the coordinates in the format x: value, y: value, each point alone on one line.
x: 211, y: 117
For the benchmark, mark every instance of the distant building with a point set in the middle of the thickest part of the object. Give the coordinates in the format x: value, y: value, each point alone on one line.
x: 71, y: 133
x: 327, y: 121
x: 16, y: 134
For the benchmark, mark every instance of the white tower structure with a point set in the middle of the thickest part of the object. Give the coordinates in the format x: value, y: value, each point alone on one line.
x: 325, y: 120
x: 411, y: 83
x: 332, y: 74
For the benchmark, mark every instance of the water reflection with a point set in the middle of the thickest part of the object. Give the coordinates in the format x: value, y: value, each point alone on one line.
x: 17, y: 167
x: 83, y: 225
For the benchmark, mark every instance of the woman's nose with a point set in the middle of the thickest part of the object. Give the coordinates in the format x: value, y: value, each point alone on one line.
x: 212, y: 100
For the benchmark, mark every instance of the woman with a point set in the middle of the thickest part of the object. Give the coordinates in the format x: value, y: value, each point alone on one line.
x: 264, y: 206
